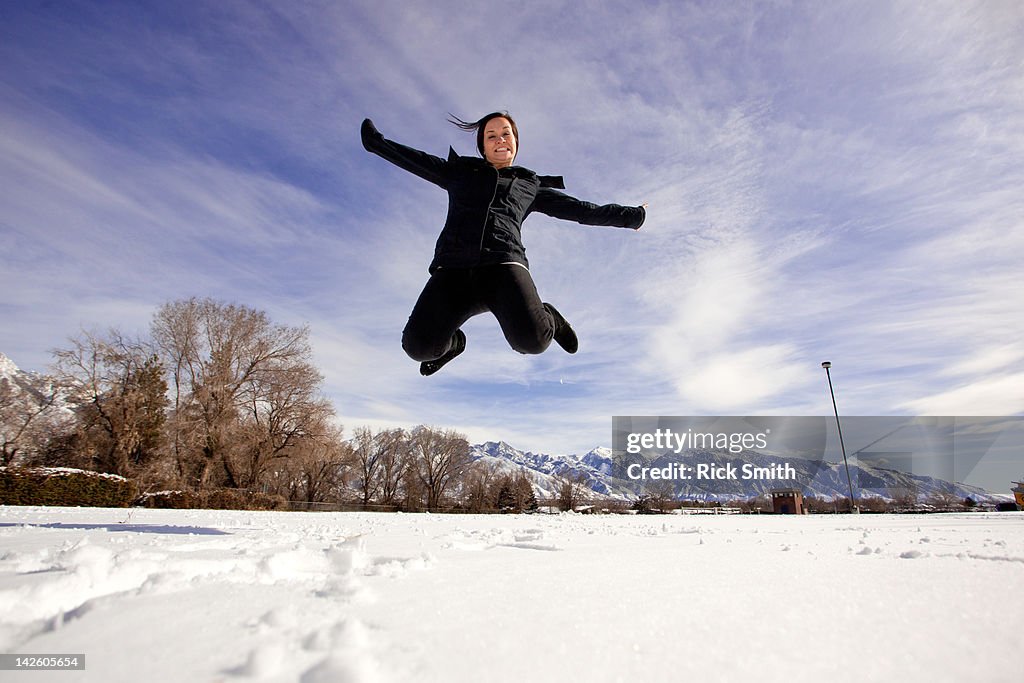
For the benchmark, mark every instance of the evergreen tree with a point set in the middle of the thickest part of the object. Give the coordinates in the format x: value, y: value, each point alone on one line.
x: 506, y: 496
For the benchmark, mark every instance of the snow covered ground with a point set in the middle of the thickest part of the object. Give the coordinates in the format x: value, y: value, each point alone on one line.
x: 163, y: 595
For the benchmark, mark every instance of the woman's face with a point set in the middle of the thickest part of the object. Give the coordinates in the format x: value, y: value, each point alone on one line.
x: 499, y: 142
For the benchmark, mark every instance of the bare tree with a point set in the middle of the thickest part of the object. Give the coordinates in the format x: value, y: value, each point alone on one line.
x: 367, y: 462
x: 176, y: 333
x: 572, y: 490
x: 413, y: 491
x: 278, y: 419
x: 118, y: 392
x: 944, y: 498
x: 662, y: 494
x: 439, y: 460
x: 243, y: 389
x: 378, y: 462
x: 394, y: 465
x: 482, y: 478
x: 872, y: 504
x: 317, y: 473
x: 905, y: 496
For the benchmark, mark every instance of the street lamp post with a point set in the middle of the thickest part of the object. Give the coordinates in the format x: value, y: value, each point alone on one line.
x: 849, y: 482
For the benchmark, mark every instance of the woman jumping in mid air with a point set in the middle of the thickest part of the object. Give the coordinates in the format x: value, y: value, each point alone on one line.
x: 479, y: 261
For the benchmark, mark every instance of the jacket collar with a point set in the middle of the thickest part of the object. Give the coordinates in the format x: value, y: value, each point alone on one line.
x: 554, y: 181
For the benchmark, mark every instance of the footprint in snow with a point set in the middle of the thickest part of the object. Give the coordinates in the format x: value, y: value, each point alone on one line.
x: 350, y: 646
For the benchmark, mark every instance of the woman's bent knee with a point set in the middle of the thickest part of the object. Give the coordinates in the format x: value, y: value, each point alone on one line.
x: 530, y: 345
x: 421, y: 349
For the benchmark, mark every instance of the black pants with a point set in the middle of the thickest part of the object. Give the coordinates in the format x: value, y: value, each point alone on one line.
x: 454, y: 295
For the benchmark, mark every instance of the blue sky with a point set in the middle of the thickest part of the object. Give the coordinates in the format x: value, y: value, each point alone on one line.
x: 833, y: 181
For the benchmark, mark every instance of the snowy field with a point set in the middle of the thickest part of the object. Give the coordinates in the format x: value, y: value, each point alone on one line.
x: 164, y: 595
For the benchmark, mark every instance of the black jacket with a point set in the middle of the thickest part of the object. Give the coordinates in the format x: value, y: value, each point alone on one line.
x: 487, y: 206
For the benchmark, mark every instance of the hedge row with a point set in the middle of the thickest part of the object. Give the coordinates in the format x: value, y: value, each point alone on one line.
x: 64, y: 487
x: 58, y: 486
x: 222, y: 499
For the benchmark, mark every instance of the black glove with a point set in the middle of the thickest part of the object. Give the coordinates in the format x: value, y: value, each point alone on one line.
x: 369, y: 133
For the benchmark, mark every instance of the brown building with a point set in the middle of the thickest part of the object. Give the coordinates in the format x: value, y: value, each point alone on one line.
x: 788, y: 502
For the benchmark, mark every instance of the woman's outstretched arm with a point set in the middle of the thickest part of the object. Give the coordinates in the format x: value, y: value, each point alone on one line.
x: 560, y: 205
x: 426, y: 166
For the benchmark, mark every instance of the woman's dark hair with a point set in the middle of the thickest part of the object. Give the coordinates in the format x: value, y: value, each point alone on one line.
x: 480, y: 124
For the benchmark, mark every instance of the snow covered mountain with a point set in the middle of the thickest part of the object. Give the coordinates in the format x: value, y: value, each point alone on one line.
x: 8, y: 370
x: 595, y: 468
x: 31, y: 407
x: 19, y: 381
x: 18, y: 385
x: 817, y: 478
x: 30, y: 385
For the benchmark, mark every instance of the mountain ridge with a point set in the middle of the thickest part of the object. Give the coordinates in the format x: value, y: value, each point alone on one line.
x: 603, y: 474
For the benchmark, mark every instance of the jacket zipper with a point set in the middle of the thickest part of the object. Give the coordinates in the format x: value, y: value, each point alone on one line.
x: 483, y: 228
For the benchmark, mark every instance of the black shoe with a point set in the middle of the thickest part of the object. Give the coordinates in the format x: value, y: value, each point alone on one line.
x: 428, y: 368
x: 564, y: 334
